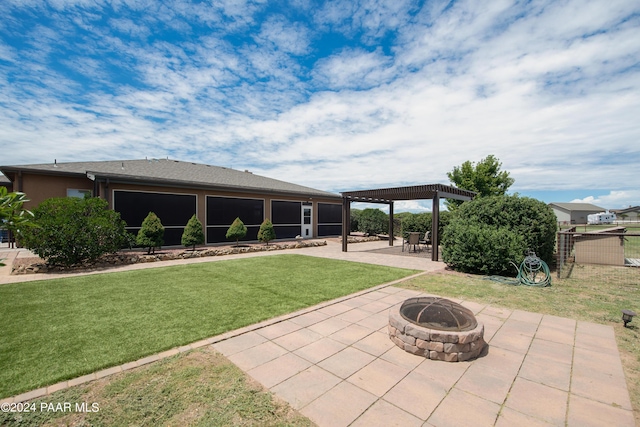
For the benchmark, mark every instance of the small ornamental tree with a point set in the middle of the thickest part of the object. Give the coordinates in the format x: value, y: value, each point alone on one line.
x: 151, y: 234
x: 67, y: 231
x: 193, y: 234
x: 266, y: 232
x: 237, y: 230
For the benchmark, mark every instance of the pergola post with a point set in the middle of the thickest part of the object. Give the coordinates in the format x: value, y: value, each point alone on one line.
x: 346, y: 221
x: 435, y: 221
x: 390, y: 223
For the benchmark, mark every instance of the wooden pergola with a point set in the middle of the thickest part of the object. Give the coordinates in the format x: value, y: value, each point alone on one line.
x: 387, y: 196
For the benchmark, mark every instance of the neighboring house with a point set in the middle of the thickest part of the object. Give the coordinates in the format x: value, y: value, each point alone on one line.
x: 5, y: 182
x: 632, y: 213
x: 175, y: 190
x: 574, y: 213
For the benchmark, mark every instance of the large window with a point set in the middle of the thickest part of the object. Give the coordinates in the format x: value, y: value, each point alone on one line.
x: 222, y: 211
x: 329, y: 219
x: 286, y: 218
x: 174, y: 211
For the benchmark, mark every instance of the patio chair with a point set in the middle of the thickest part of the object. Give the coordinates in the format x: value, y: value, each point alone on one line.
x: 414, y: 240
x: 427, y: 239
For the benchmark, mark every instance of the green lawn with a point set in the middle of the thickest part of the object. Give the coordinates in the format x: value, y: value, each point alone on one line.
x: 60, y: 329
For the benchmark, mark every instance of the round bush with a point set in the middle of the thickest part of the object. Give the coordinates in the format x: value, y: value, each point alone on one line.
x: 373, y: 221
x: 488, y: 233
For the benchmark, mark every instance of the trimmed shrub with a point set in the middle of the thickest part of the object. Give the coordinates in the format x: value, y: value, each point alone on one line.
x: 266, y: 232
x: 373, y: 221
x: 69, y: 231
x: 488, y: 233
x: 192, y: 234
x: 237, y: 230
x: 151, y: 234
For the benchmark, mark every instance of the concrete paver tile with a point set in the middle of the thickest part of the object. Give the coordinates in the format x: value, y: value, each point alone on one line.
x: 258, y: 355
x: 274, y: 372
x: 514, y: 326
x: 378, y: 377
x: 297, y: 339
x: 309, y: 318
x: 346, y: 362
x: 375, y: 295
x: 558, y: 322
x: 339, y: 407
x: 539, y: 401
x: 335, y: 309
x: 320, y: 350
x: 501, y: 359
x: 375, y: 321
x: 544, y: 371
x: 376, y: 343
x: 594, y: 360
x: 552, y: 351
x: 490, y: 384
x: 279, y: 329
x: 499, y: 312
x: 510, y: 418
x: 460, y: 408
x: 491, y: 325
x: 351, y: 334
x: 390, y: 290
x: 239, y: 343
x: 376, y: 307
x: 329, y: 326
x: 305, y: 386
x: 392, y: 300
x: 509, y: 340
x: 592, y: 335
x: 385, y: 414
x: 353, y: 315
x: 416, y: 394
x: 555, y: 334
x: 401, y: 358
x: 444, y: 374
x: 526, y: 316
x: 586, y: 413
x: 602, y: 387
x: 475, y: 307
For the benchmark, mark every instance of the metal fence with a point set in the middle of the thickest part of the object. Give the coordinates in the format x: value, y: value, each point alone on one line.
x: 612, y: 252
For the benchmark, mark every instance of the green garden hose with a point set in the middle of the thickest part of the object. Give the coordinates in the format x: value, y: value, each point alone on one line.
x: 532, y: 272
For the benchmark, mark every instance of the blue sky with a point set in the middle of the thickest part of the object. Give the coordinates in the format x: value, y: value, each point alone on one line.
x: 340, y: 95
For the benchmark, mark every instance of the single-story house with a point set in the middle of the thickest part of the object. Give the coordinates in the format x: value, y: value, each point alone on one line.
x: 574, y: 213
x: 632, y: 213
x: 175, y: 190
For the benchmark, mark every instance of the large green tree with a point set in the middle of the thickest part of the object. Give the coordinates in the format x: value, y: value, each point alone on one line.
x: 484, y: 177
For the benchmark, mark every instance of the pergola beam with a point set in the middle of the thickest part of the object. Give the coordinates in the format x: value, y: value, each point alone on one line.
x: 432, y: 192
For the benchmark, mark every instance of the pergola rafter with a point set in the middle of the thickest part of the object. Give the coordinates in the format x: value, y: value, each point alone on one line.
x: 388, y: 196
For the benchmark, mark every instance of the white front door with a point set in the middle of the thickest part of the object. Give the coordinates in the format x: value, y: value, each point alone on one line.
x: 307, y: 223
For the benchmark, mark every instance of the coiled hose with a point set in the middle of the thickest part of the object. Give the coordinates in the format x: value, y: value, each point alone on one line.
x: 532, y: 272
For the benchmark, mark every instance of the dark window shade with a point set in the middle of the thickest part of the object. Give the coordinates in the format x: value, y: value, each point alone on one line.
x: 172, y: 209
x: 224, y: 210
x: 172, y: 236
x: 287, y: 231
x: 329, y: 230
x: 329, y: 213
x: 285, y: 212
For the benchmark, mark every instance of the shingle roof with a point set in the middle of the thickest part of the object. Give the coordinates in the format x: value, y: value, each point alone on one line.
x: 577, y: 206
x: 173, y: 172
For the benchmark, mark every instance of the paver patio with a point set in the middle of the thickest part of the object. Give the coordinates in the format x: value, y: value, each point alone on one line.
x: 338, y: 367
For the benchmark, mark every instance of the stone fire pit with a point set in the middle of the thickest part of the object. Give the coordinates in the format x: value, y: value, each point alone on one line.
x: 437, y: 329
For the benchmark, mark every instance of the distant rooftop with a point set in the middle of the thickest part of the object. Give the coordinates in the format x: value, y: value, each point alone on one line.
x: 171, y: 173
x: 577, y: 206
